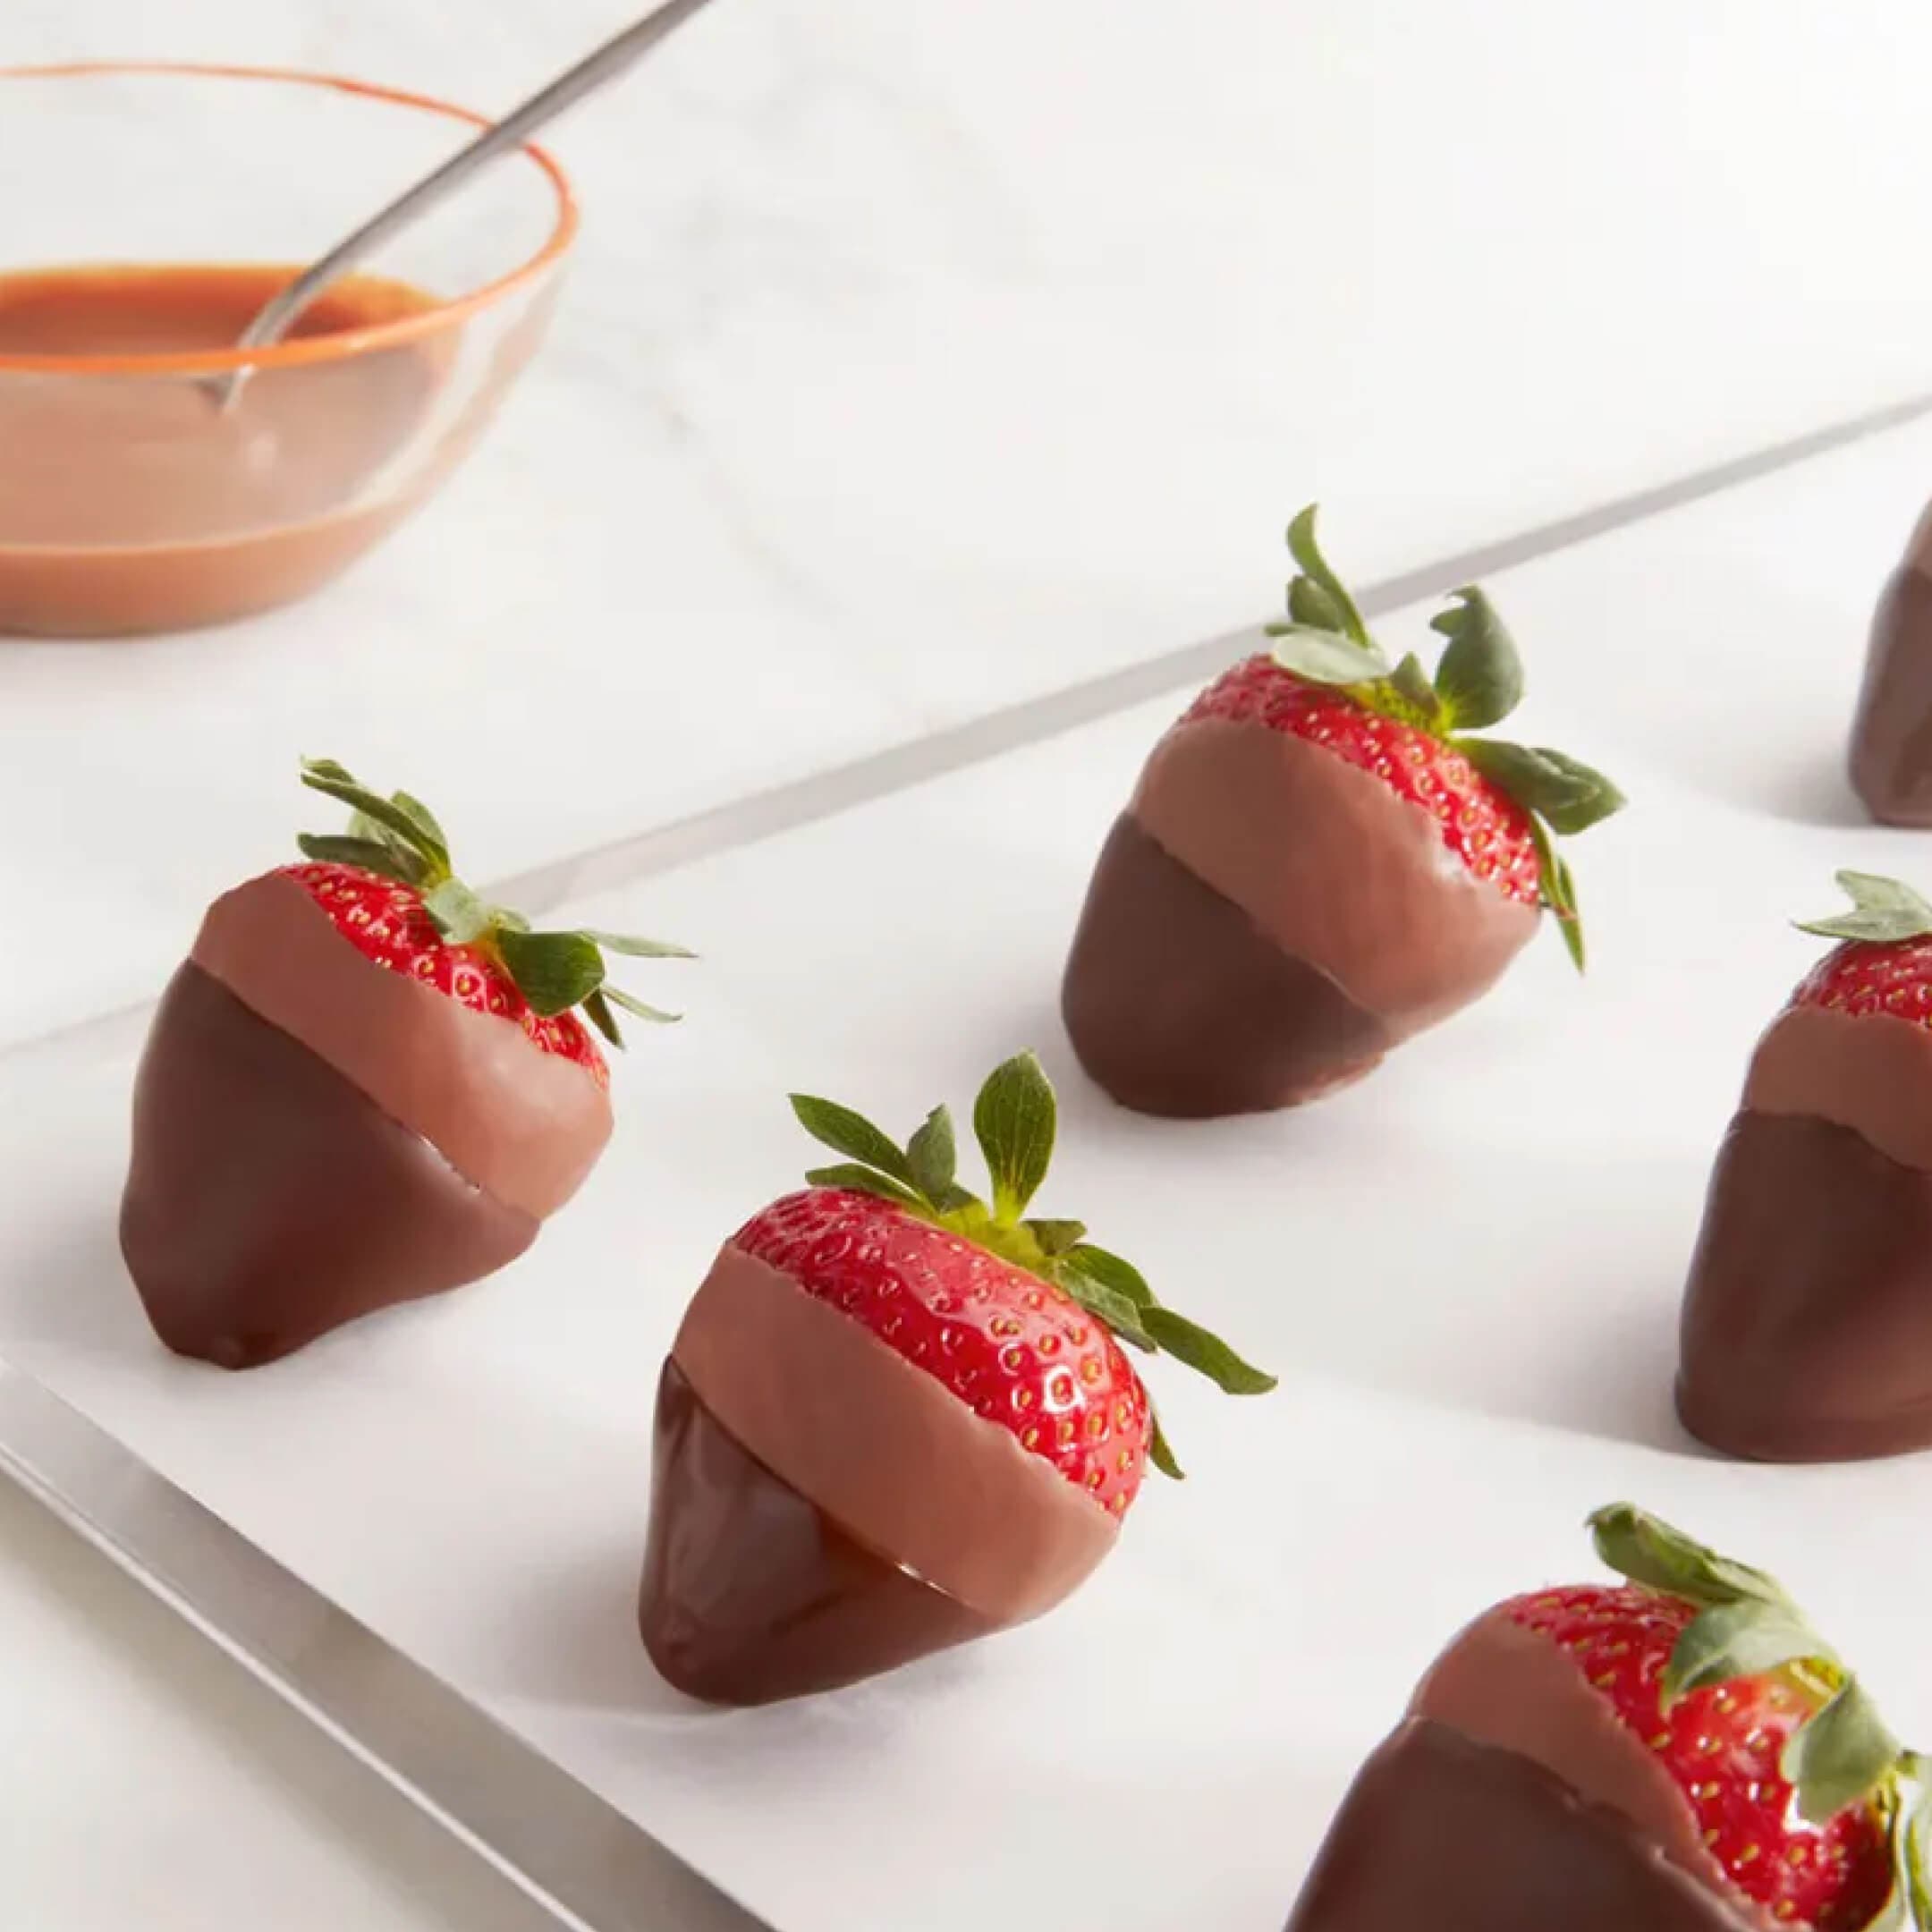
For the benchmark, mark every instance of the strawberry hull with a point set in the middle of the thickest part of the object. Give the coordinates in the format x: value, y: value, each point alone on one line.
x: 1380, y: 929
x: 269, y: 1200
x: 1807, y: 1331
x: 751, y: 1593
x: 1440, y: 1830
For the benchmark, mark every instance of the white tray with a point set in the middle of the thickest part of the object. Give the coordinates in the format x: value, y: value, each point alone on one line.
x: 1466, y: 1271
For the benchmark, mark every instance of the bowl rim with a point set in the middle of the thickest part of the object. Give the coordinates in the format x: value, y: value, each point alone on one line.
x: 338, y: 344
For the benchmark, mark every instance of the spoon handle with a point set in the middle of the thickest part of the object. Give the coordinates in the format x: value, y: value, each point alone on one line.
x: 586, y: 77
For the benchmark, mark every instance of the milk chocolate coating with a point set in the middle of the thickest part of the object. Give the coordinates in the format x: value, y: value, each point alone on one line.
x: 269, y: 1200
x: 1179, y: 1005
x: 1891, y: 734
x: 1331, y: 922
x: 751, y: 1593
x: 885, y: 1448
x: 1807, y: 1332
x: 1441, y: 1834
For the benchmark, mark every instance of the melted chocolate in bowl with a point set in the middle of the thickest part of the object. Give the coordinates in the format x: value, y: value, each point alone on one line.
x: 751, y: 1593
x: 129, y: 501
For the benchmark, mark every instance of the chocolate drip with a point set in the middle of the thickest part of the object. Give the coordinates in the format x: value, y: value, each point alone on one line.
x: 750, y: 1592
x: 1892, y: 736
x: 1179, y: 1005
x: 1443, y: 1833
x: 269, y: 1200
x: 1807, y: 1322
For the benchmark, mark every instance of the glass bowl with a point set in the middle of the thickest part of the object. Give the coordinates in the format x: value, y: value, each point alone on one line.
x: 170, y: 201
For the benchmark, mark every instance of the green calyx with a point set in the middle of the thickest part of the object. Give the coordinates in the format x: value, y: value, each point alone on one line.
x: 1883, y: 912
x: 1014, y: 1120
x: 1478, y: 680
x: 1747, y: 1626
x: 398, y: 838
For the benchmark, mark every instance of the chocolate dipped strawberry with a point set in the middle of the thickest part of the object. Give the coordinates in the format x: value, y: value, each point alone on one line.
x: 1807, y: 1330
x: 1679, y: 1753
x: 1319, y: 861
x: 1891, y: 759
x: 364, y: 1085
x: 896, y: 1416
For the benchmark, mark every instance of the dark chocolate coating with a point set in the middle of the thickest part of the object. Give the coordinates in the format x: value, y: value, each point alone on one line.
x: 751, y: 1593
x: 1440, y: 1834
x: 1892, y: 736
x: 1178, y: 1003
x: 1807, y: 1322
x: 270, y: 1200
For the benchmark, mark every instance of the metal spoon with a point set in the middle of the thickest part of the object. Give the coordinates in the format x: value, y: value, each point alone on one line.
x: 610, y: 60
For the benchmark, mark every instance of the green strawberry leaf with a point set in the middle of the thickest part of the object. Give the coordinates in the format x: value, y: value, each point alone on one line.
x: 846, y: 1132
x: 1306, y: 551
x: 1158, y: 1453
x: 1882, y: 911
x: 638, y: 948
x: 1115, y: 1310
x: 422, y: 815
x: 932, y: 1156
x: 329, y: 778
x: 1558, y: 891
x: 1646, y: 1550
x: 860, y: 1180
x: 1325, y: 656
x: 1055, y: 1237
x: 1913, y: 1841
x: 599, y: 1013
x: 1480, y: 676
x: 1187, y: 1342
x: 1313, y: 608
x: 1013, y: 1121
x: 1746, y: 1639
x: 553, y: 970
x: 1841, y: 1756
x: 461, y: 917
x: 1111, y: 1272
x: 390, y: 861
x: 1411, y: 684
x: 656, y: 1015
x: 1568, y: 794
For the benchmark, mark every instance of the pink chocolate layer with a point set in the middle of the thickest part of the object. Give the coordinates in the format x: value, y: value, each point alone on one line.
x: 1336, y: 869
x: 879, y: 1444
x: 525, y: 1125
x: 1871, y: 1072
x: 1502, y: 1685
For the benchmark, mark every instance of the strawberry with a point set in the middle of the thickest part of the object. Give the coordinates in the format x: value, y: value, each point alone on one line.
x: 1795, y: 1793
x: 936, y: 1380
x: 1323, y: 856
x: 1806, y: 1326
x: 1883, y: 964
x: 1497, y: 804
x: 365, y: 1084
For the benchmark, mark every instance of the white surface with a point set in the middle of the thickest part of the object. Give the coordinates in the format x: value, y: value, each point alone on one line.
x: 148, y: 1781
x: 1466, y: 1270
x: 920, y: 357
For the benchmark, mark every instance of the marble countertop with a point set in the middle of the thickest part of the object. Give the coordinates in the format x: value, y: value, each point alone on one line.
x: 917, y: 362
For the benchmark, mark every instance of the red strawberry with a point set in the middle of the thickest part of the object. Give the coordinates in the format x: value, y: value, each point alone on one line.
x: 897, y: 1416
x: 1807, y: 1330
x: 365, y: 1084
x: 1788, y: 1787
x: 1697, y: 1756
x: 1265, y: 922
